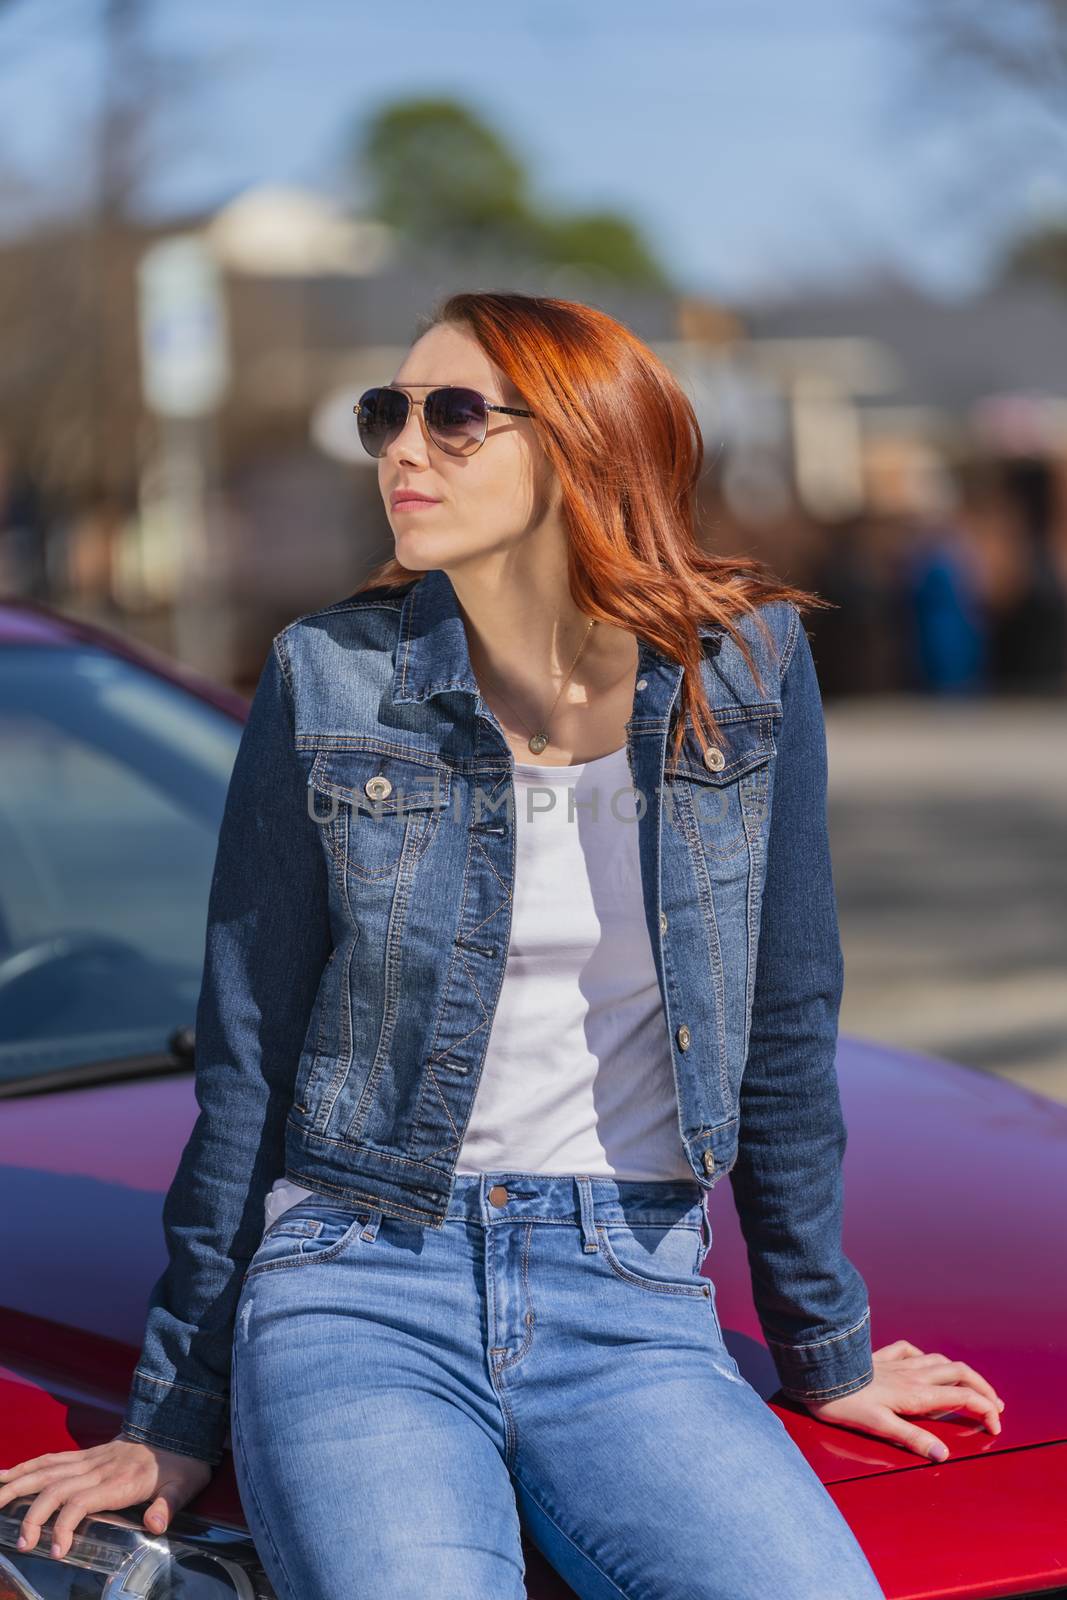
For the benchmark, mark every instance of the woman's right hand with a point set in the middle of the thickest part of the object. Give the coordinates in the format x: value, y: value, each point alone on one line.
x: 106, y: 1477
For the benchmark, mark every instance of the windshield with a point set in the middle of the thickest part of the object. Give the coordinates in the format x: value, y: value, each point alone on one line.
x: 112, y: 787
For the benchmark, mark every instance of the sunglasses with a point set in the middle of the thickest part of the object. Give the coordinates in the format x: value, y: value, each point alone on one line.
x: 456, y: 419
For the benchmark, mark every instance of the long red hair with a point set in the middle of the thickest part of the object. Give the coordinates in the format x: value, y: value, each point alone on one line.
x: 624, y: 440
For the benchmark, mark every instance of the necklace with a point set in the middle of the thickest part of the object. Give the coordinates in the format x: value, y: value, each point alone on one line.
x: 539, y: 739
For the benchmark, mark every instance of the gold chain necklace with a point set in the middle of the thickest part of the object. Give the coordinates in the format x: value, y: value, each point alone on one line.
x: 539, y: 740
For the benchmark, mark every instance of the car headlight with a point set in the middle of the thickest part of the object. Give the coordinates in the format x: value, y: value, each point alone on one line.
x: 112, y: 1558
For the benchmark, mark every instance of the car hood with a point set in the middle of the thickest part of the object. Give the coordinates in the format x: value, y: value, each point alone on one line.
x: 955, y: 1185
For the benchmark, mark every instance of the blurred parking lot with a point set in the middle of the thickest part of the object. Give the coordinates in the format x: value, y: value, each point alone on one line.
x: 949, y: 831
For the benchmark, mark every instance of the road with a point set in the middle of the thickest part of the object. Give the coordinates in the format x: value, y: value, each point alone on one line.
x: 948, y: 825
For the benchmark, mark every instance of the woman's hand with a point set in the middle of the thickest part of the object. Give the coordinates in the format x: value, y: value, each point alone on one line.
x: 106, y: 1477
x: 908, y: 1381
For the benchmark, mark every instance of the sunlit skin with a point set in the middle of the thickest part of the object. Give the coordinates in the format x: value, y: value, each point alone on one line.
x: 499, y: 535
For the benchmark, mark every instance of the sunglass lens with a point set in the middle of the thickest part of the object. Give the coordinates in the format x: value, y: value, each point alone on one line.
x: 456, y: 418
x: 382, y: 415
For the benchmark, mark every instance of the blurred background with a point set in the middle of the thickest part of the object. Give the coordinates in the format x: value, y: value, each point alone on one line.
x: 842, y: 224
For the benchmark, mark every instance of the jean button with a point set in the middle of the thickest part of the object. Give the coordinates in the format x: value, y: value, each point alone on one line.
x: 709, y: 1161
x: 499, y: 1195
x: 714, y: 759
x: 684, y: 1037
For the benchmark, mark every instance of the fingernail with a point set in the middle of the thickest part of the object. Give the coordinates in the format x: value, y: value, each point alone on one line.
x: 939, y: 1452
x: 21, y: 1542
x: 1000, y: 1405
x: 55, y: 1549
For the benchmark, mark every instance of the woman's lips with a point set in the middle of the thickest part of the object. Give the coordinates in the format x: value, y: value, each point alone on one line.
x: 408, y: 504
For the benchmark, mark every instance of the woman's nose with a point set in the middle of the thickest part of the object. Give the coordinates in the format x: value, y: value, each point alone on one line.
x: 410, y: 443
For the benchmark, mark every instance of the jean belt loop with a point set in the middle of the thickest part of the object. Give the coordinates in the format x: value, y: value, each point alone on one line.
x: 370, y: 1231
x: 585, y: 1203
x: 705, y: 1224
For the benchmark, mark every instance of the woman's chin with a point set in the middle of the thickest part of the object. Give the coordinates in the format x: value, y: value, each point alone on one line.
x: 421, y: 548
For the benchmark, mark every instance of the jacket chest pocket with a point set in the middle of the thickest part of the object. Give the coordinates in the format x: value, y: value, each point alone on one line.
x: 380, y: 807
x: 720, y: 792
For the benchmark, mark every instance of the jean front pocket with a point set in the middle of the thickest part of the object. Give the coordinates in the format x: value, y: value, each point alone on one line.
x: 660, y: 1258
x: 306, y: 1233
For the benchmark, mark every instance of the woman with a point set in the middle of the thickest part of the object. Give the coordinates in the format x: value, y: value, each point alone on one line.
x: 472, y: 1032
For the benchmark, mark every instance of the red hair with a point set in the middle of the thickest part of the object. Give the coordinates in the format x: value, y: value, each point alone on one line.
x: 624, y: 440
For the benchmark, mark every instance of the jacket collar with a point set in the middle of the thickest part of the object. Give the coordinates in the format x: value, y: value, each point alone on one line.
x: 432, y: 655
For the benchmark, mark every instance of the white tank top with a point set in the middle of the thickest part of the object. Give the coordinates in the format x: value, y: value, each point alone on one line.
x: 577, y: 1075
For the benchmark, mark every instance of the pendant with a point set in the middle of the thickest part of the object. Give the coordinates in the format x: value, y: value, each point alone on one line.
x: 538, y: 742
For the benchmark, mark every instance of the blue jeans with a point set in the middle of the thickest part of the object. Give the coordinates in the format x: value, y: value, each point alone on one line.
x: 401, y: 1396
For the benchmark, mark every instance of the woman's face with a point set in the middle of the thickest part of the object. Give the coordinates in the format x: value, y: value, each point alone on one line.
x: 486, y: 501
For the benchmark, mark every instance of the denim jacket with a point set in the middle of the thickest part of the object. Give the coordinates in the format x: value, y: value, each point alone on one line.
x: 357, y: 932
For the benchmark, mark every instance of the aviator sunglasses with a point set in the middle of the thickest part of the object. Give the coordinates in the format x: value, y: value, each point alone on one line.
x: 456, y: 419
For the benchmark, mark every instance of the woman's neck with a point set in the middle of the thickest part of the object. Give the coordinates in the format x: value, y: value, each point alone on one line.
x: 522, y: 649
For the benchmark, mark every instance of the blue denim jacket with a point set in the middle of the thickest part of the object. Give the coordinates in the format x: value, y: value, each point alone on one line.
x: 358, y: 925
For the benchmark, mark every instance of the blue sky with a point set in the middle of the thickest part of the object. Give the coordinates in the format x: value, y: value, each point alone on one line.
x: 761, y: 144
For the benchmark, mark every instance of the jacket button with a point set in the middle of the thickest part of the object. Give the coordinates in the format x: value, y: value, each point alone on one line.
x: 377, y: 788
x: 684, y: 1037
x: 498, y: 1194
x: 642, y: 683
x: 714, y: 759
x: 709, y: 1161
x: 663, y: 922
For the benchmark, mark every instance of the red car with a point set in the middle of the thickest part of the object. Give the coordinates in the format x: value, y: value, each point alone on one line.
x: 113, y: 772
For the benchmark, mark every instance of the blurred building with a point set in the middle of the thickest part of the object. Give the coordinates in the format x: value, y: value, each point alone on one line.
x: 905, y: 456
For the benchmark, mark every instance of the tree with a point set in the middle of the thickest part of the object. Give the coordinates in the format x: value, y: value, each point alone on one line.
x: 447, y: 182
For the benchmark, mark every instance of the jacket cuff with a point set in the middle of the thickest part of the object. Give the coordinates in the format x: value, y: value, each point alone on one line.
x: 173, y: 1416
x: 825, y: 1369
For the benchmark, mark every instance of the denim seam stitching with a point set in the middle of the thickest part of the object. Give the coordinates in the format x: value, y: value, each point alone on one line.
x: 339, y: 856
x: 346, y: 1144
x: 301, y: 1258
x: 286, y: 668
x: 435, y: 1053
x: 757, y: 876
x: 374, y: 1200
x: 848, y: 1386
x: 323, y: 742
x: 571, y: 1222
x: 653, y: 1285
x: 446, y: 1150
x: 511, y: 1432
x: 712, y: 851
x: 236, y: 1430
x: 712, y: 940
x: 340, y: 606
x: 186, y: 1388
x: 398, y: 912
x: 571, y: 1541
x: 463, y: 961
x: 527, y: 1340
x: 815, y: 1344
x: 154, y: 1435
x: 406, y: 625
x: 790, y: 643
x: 459, y: 961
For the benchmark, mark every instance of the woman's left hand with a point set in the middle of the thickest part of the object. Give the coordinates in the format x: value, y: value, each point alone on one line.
x: 909, y: 1381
